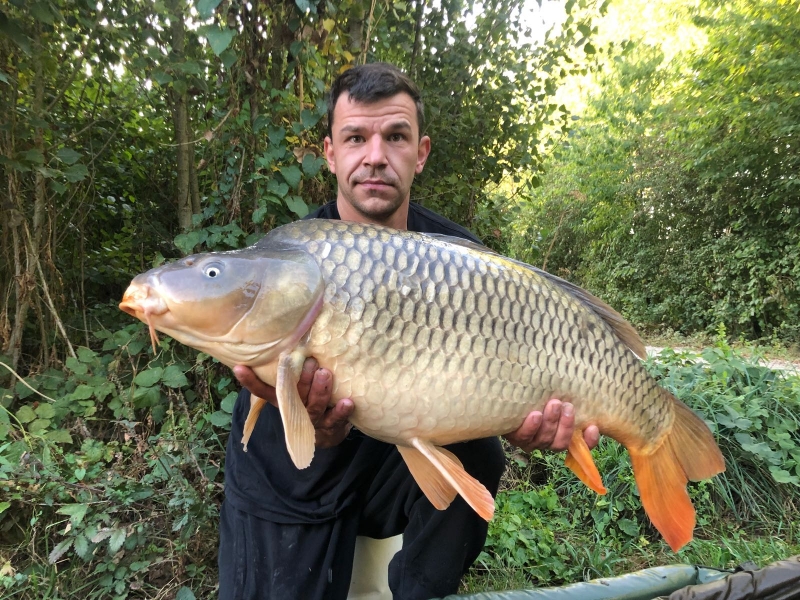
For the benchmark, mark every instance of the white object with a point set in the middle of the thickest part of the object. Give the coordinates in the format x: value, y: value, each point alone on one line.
x: 370, y: 579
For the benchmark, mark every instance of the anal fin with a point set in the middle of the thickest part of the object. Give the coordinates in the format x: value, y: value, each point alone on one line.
x: 472, y: 490
x: 297, y: 425
x: 256, y: 405
x: 430, y: 480
x: 579, y: 460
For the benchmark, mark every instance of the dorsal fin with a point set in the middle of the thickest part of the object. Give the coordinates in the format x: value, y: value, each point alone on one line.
x: 624, y: 330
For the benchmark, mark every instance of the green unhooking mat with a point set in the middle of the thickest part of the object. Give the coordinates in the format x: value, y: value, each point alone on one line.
x: 778, y: 581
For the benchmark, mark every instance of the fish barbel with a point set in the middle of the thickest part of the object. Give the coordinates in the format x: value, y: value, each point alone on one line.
x: 436, y: 340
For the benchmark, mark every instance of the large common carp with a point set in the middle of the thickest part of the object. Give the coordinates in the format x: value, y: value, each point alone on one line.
x: 436, y: 340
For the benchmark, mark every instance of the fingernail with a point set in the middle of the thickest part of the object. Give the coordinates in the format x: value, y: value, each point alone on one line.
x: 567, y: 409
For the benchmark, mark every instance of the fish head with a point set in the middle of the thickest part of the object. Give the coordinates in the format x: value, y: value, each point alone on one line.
x: 241, y: 307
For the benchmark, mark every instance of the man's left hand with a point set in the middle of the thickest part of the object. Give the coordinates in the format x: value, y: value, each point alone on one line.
x: 551, y: 429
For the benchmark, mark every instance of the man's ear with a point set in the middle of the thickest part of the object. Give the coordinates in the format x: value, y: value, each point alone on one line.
x: 329, y: 156
x: 423, y: 150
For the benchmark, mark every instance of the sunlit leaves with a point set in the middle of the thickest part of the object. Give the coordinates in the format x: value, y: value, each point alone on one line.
x: 206, y: 8
x: 219, y: 39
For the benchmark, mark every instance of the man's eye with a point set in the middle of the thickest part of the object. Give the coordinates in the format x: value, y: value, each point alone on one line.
x: 397, y: 137
x: 355, y: 139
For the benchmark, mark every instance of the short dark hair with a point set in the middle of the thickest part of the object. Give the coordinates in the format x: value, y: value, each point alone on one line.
x: 372, y: 82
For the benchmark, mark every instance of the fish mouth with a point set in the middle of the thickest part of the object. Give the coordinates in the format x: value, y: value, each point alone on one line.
x: 139, y: 302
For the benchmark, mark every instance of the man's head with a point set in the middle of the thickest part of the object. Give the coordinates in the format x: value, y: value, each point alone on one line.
x: 374, y: 145
x: 369, y: 83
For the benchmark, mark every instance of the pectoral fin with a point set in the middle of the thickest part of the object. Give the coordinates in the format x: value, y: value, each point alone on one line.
x: 297, y: 424
x: 256, y: 404
x: 473, y: 492
x: 432, y: 483
x: 579, y: 460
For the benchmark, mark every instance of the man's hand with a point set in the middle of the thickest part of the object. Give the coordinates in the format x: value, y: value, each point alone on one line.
x: 331, y: 424
x: 551, y: 429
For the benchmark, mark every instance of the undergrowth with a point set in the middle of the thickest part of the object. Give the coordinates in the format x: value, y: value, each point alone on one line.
x: 111, y: 477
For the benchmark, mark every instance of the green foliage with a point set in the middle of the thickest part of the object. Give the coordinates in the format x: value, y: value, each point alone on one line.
x: 549, y: 529
x: 114, y: 478
x: 676, y: 197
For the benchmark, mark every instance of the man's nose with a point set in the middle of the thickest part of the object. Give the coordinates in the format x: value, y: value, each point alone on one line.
x: 376, y: 151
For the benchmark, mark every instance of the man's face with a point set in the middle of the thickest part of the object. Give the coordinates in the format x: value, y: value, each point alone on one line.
x: 375, y: 151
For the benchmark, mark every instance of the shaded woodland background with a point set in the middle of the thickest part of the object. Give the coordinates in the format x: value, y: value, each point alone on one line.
x: 646, y: 151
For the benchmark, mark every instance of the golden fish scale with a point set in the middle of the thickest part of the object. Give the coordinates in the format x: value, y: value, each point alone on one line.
x: 440, y: 341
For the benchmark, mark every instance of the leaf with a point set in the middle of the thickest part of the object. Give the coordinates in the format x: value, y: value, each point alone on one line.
x: 185, y: 594
x: 49, y: 173
x: 220, y: 419
x: 15, y: 33
x: 278, y: 188
x: 45, y: 411
x: 206, y: 8
x: 306, y: 6
x: 174, y: 377
x: 75, y: 512
x: 76, y: 172
x: 38, y: 425
x: 228, y: 402
x: 629, y: 527
x: 292, y: 175
x: 185, y: 242
x: 219, y: 39
x: 161, y: 77
x: 41, y: 12
x: 59, y: 551
x: 149, y: 377
x: 101, y: 535
x: 33, y: 156
x: 308, y: 118
x: 783, y: 476
x: 59, y: 436
x: 86, y: 355
x: 25, y: 414
x: 190, y: 67
x: 68, y: 156
x: 297, y: 206
x: 276, y: 136
x: 81, y: 546
x: 312, y: 164
x: 116, y: 540
x: 228, y: 58
x: 82, y: 392
x: 4, y: 506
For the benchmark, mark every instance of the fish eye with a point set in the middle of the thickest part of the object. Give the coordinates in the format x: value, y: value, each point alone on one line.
x: 212, y: 271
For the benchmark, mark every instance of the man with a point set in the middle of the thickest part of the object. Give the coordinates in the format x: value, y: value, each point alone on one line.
x: 290, y: 534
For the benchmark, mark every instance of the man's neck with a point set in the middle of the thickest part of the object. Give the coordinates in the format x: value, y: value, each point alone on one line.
x: 398, y: 219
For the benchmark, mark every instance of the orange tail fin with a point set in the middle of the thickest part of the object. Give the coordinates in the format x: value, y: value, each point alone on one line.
x: 687, y: 452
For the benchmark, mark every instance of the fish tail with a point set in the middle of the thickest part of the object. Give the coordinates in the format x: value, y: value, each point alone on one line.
x: 688, y: 452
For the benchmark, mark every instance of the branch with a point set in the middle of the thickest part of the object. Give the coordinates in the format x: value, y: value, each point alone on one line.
x: 46, y: 291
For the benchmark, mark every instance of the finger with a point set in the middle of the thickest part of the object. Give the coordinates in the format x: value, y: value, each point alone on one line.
x: 550, y: 418
x: 592, y: 436
x: 565, y: 428
x: 334, y: 425
x: 248, y: 379
x: 319, y: 394
x: 523, y: 436
x: 310, y: 367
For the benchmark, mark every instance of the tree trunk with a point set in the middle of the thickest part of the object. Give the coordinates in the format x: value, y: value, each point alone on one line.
x: 180, y: 117
x: 417, y: 36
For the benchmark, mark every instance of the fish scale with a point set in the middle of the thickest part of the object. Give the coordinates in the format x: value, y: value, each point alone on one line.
x: 492, y: 356
x: 436, y: 341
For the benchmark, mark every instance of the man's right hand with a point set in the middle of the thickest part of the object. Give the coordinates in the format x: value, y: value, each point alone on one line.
x: 331, y: 423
